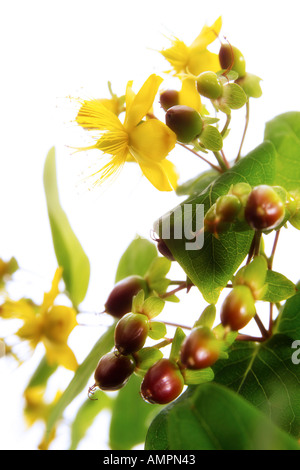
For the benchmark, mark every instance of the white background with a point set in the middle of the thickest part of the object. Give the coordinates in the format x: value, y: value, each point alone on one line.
x: 51, y: 51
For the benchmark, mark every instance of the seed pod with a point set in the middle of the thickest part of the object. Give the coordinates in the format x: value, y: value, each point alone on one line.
x: 162, y: 383
x: 131, y: 333
x: 169, y: 98
x: 264, y: 209
x: 113, y: 371
x: 231, y: 57
x: 186, y: 122
x: 238, y: 308
x: 200, y: 349
x: 209, y: 86
x: 119, y: 301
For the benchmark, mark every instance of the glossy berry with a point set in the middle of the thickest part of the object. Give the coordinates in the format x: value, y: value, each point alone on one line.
x: 228, y: 207
x: 113, y: 371
x: 209, y: 86
x: 264, y: 209
x: 200, y: 349
x: 119, y: 301
x: 169, y: 98
x: 131, y: 333
x: 164, y: 250
x: 186, y: 122
x: 238, y: 308
x: 231, y: 58
x: 162, y: 383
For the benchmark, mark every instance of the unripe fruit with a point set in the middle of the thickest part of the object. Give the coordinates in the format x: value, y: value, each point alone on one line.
x: 164, y: 250
x: 119, y: 301
x: 238, y: 308
x: 169, y: 98
x: 162, y: 383
x: 200, y: 349
x: 209, y: 86
x: 113, y: 371
x: 131, y: 332
x: 264, y: 209
x: 213, y: 222
x: 186, y: 122
x: 228, y: 207
x: 231, y: 57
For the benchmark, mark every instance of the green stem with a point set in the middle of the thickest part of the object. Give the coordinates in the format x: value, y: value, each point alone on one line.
x: 228, y: 119
x: 220, y: 161
x: 245, y: 131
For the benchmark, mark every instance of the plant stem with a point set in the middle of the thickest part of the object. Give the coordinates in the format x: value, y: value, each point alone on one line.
x: 228, y: 119
x: 250, y: 338
x: 221, y: 161
x: 245, y: 130
x: 163, y: 343
x: 184, y: 327
x: 183, y: 285
x: 200, y: 156
x: 264, y: 332
x: 271, y: 259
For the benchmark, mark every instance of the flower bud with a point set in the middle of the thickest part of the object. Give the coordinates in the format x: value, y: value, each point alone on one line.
x: 162, y: 383
x: 131, y: 333
x: 169, y: 98
x: 231, y: 57
x: 119, y: 301
x: 209, y: 86
x: 186, y: 122
x: 238, y: 308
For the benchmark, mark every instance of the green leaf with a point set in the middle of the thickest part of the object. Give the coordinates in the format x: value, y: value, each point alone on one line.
x: 278, y: 287
x: 198, y: 184
x: 41, y: 374
x: 211, y: 138
x: 81, y: 376
x: 157, y: 330
x: 69, y: 253
x: 153, y: 306
x: 178, y: 339
x: 288, y: 322
x: 196, y: 377
x: 211, y: 417
x: 207, y: 317
x: 86, y: 415
x: 131, y: 417
x: 265, y: 375
x: 146, y: 358
x: 251, y: 85
x: 233, y: 96
x: 137, y: 259
x: 211, y: 267
x: 284, y: 132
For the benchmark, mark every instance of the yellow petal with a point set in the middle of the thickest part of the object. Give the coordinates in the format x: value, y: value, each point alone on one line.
x: 203, y: 61
x: 208, y: 35
x: 189, y: 95
x: 152, y: 140
x: 129, y: 96
x: 59, y: 321
x: 94, y: 115
x: 177, y: 55
x: 142, y: 102
x: 22, y: 309
x: 49, y: 297
x: 162, y: 175
x: 60, y: 354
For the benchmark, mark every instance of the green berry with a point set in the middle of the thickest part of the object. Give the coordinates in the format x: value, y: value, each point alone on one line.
x: 231, y: 57
x: 209, y: 86
x: 238, y: 308
x: 228, y: 207
x: 186, y: 122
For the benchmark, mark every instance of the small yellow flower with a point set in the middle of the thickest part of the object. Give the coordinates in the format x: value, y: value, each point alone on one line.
x: 146, y: 142
x: 48, y: 323
x: 7, y: 268
x: 195, y: 58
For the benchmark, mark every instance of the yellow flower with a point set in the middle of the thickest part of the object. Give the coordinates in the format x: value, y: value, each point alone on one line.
x: 7, y: 268
x: 195, y: 58
x: 146, y: 142
x: 48, y: 323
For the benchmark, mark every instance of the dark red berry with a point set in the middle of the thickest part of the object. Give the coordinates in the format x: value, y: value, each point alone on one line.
x: 162, y: 383
x: 169, y: 98
x: 113, y: 371
x: 119, y: 301
x: 200, y: 349
x: 131, y: 333
x: 264, y: 209
x: 238, y: 308
x: 164, y: 250
x: 186, y: 122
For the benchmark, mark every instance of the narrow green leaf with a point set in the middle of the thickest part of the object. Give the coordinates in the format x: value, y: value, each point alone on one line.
x: 279, y: 287
x: 41, y: 374
x: 196, y: 377
x: 211, y: 417
x: 284, y: 132
x: 137, y: 259
x: 81, y: 377
x: 176, y: 344
x: 131, y: 417
x: 207, y: 317
x: 69, y: 253
x: 86, y: 415
x: 211, y: 267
